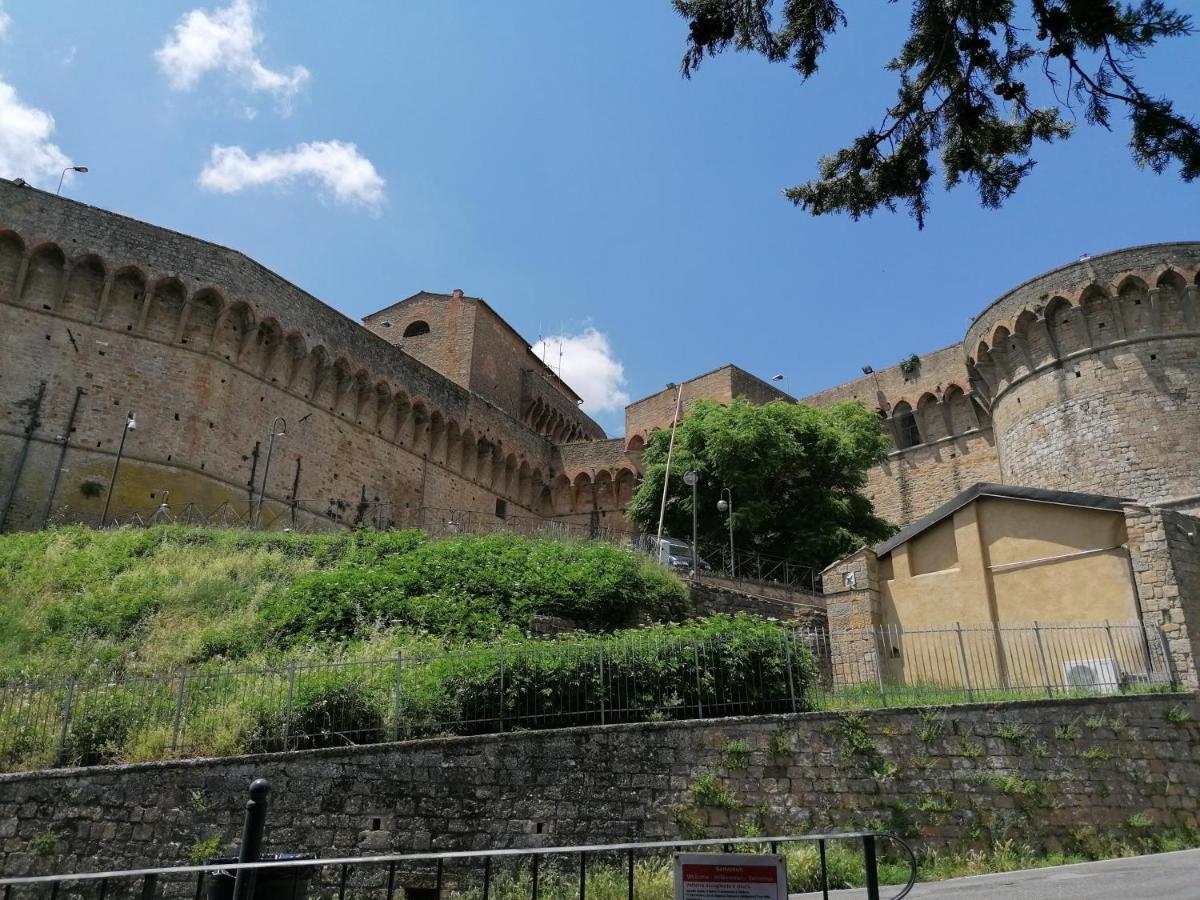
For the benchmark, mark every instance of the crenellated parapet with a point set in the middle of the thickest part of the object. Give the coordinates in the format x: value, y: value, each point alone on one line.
x: 1090, y: 373
x: 154, y: 319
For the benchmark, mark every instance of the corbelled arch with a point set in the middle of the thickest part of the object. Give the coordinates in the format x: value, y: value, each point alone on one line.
x: 959, y: 411
x: 907, y: 431
x: 85, y: 287
x: 45, y: 276
x: 1033, y: 339
x: 1134, y: 307
x: 564, y: 495
x: 162, y: 309
x: 1099, y: 315
x: 12, y: 260
x: 626, y: 486
x: 234, y: 325
x: 200, y: 317
x: 932, y: 425
x: 123, y: 307
x: 1066, y: 326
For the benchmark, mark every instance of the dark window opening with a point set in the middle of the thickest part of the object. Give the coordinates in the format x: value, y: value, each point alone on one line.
x: 416, y: 328
x: 501, y: 509
x: 376, y: 824
x: 906, y: 426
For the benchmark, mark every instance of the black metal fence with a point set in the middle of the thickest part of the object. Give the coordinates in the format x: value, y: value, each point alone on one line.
x: 642, y: 676
x: 631, y: 870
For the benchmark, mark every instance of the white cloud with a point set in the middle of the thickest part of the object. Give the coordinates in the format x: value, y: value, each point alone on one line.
x: 25, y: 147
x: 5, y: 20
x: 336, y: 166
x: 223, y: 40
x: 588, y: 366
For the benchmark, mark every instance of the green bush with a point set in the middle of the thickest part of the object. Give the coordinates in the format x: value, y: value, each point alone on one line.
x: 651, y: 673
x: 100, y: 726
x: 331, y: 707
x: 471, y: 588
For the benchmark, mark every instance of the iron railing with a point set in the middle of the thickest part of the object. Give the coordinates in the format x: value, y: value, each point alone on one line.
x: 556, y: 872
x: 642, y: 676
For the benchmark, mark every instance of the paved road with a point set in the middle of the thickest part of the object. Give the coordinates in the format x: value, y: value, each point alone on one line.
x: 1163, y: 876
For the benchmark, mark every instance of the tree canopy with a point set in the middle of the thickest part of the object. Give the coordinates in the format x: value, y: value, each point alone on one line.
x: 967, y: 91
x: 796, y: 473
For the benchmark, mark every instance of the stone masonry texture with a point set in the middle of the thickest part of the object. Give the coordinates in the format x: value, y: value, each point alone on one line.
x: 1041, y: 773
x: 1082, y: 378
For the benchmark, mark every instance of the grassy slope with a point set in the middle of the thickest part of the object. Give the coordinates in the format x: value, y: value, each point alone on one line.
x: 75, y: 600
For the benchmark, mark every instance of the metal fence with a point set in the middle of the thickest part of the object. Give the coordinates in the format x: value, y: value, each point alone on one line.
x: 642, y: 676
x: 607, y: 870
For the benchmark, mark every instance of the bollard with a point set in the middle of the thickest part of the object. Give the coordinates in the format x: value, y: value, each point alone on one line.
x: 872, y: 867
x: 252, y: 838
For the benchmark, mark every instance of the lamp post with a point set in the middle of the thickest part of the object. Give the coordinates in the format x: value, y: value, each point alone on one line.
x: 130, y: 425
x: 280, y: 431
x: 80, y: 169
x: 726, y: 506
x: 662, y: 510
x: 691, y: 478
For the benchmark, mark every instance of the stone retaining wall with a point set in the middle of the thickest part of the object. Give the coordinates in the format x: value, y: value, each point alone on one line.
x: 1037, y: 772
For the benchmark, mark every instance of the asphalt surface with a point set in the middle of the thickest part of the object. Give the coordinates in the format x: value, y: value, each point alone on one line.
x: 1163, y: 876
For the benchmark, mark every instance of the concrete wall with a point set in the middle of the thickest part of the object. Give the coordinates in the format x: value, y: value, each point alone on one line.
x: 959, y: 776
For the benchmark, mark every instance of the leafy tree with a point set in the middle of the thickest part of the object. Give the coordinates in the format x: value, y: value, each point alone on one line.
x: 965, y: 91
x: 796, y: 473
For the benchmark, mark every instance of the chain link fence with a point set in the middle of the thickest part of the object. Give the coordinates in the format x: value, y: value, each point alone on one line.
x: 635, y: 678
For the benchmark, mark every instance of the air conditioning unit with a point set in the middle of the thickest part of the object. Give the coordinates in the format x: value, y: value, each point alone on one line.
x: 1102, y: 676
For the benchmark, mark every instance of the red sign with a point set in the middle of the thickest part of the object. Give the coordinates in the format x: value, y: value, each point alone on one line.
x: 729, y: 876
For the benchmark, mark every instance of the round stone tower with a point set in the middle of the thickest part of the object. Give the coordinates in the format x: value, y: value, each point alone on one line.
x: 1092, y: 372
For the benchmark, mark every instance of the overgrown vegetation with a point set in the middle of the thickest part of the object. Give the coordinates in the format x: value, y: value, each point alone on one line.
x: 75, y: 601
x: 730, y: 664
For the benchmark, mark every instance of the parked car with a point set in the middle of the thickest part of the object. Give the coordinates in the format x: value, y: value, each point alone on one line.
x: 673, y: 554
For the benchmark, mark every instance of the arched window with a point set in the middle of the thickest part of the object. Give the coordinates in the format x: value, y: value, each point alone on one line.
x: 906, y: 426
x: 416, y: 328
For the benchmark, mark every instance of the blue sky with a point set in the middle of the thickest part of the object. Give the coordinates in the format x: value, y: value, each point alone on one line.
x: 547, y: 156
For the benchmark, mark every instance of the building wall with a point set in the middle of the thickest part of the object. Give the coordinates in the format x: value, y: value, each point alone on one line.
x: 447, y: 347
x: 1011, y: 562
x: 1165, y: 550
x: 207, y: 347
x: 1090, y: 372
x: 803, y: 773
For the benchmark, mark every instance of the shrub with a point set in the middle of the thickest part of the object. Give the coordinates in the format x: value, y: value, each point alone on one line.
x: 331, y: 707
x: 646, y: 674
x: 100, y: 725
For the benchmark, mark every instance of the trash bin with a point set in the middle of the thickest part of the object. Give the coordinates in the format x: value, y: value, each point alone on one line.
x: 282, y: 883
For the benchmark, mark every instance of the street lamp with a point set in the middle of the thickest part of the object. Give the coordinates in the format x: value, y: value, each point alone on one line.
x: 690, y: 478
x: 281, y: 431
x: 80, y: 169
x: 726, y: 506
x: 130, y: 425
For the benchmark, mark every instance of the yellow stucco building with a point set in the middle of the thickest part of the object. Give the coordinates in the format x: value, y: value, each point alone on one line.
x: 1006, y: 586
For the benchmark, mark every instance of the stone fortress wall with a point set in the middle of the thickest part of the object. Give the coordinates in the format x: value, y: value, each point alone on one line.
x: 1091, y: 373
x: 945, y: 778
x: 101, y: 315
x: 1080, y: 379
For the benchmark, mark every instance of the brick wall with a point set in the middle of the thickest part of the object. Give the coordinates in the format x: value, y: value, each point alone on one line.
x: 207, y: 347
x: 1032, y: 772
